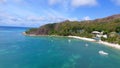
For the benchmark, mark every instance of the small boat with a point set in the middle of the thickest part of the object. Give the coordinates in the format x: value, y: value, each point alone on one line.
x: 103, y: 53
x: 69, y: 40
x: 86, y: 45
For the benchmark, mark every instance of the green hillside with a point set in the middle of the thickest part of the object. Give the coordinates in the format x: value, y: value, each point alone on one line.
x: 109, y: 25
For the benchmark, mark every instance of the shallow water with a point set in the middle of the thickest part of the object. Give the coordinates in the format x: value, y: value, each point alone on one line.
x: 19, y: 51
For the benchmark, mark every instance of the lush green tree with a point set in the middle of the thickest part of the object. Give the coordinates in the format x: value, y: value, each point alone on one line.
x: 117, y: 29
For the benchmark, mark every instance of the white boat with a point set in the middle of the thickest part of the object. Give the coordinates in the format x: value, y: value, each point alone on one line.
x: 103, y: 53
x: 69, y: 40
x: 86, y: 45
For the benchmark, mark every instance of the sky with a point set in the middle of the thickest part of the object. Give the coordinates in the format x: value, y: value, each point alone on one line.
x: 34, y: 13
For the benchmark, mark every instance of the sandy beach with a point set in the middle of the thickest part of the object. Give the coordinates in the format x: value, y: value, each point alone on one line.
x: 82, y: 38
x: 117, y: 46
x: 110, y: 44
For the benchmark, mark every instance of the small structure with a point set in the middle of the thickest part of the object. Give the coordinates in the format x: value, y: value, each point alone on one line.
x: 98, y: 35
x: 96, y: 32
x: 105, y: 36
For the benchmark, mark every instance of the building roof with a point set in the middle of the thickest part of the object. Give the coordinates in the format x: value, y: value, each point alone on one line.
x: 96, y: 32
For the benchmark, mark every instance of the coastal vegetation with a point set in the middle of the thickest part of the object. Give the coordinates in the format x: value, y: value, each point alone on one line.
x: 109, y: 26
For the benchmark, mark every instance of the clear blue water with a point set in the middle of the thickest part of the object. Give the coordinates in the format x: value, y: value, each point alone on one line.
x: 19, y: 51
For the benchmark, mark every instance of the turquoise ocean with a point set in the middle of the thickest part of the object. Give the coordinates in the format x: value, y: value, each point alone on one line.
x: 19, y: 51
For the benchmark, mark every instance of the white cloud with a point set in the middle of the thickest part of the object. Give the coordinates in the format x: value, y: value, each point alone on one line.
x: 52, y: 2
x: 20, y: 2
x: 2, y: 1
x: 73, y: 3
x: 78, y: 3
x: 17, y: 0
x: 13, y: 1
x: 63, y: 3
x: 86, y: 18
x: 72, y: 19
x: 116, y: 2
x: 34, y: 18
x: 54, y: 16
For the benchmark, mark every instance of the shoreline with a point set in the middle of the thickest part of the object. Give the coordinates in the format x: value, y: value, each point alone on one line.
x: 41, y: 35
x: 82, y: 38
x: 117, y: 46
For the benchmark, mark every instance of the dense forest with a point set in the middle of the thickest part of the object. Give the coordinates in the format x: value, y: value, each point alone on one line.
x: 108, y: 25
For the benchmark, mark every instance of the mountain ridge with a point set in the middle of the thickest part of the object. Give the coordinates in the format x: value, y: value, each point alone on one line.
x: 109, y: 25
x: 45, y: 29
